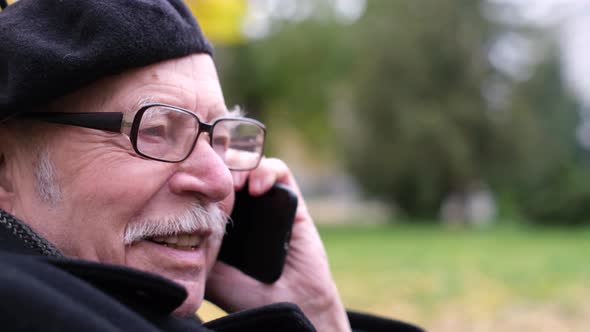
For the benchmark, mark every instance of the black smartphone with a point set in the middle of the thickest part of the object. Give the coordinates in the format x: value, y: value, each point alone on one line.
x: 257, y: 236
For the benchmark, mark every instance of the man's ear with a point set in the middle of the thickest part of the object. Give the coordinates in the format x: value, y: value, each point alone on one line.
x: 6, y: 187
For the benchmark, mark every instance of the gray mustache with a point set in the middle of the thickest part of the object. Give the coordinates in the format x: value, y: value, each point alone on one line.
x: 197, y: 218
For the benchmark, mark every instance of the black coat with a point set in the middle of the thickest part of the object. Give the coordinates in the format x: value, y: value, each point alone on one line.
x: 41, y: 290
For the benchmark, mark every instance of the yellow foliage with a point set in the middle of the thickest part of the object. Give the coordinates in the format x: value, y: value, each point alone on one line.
x: 221, y: 20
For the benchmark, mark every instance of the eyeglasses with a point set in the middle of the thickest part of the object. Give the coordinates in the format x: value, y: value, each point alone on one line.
x: 169, y: 134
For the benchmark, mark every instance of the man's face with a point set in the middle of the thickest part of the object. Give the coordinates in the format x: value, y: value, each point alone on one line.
x: 104, y: 189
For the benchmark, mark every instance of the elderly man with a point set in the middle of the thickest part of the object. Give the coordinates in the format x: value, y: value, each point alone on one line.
x: 117, y: 174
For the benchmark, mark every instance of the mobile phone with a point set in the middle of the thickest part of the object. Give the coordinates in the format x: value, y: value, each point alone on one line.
x: 257, y: 236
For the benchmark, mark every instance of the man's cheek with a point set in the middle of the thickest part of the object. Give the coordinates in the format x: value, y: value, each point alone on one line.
x: 227, y: 204
x: 214, y: 246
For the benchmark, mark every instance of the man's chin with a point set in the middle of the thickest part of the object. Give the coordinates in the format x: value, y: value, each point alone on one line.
x: 186, y: 268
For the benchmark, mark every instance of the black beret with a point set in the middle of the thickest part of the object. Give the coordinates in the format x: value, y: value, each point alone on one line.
x: 49, y: 48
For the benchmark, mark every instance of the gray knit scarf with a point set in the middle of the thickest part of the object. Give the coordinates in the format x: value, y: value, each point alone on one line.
x: 27, y: 235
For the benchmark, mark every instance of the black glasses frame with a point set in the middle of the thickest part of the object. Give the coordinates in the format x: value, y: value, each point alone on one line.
x: 114, y: 122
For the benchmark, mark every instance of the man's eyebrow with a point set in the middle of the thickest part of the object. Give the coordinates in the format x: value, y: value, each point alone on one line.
x: 140, y: 102
x: 223, y: 111
x: 236, y: 111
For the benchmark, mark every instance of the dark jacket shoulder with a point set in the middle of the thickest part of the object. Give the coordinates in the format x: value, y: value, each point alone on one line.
x: 39, y: 295
x: 49, y: 294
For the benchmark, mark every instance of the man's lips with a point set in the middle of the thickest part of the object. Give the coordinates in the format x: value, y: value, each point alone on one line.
x: 171, y: 261
x: 181, y: 241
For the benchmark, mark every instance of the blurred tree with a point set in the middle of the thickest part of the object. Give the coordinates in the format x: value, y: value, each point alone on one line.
x: 423, y: 126
x: 402, y: 95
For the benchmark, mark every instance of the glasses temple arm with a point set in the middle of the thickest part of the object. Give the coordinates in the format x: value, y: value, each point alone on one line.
x: 109, y: 121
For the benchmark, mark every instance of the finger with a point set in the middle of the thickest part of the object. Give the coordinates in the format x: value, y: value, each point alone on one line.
x: 269, y: 172
x: 239, y: 179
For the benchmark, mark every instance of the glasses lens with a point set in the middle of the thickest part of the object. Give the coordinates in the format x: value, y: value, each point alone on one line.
x: 166, y: 133
x: 239, y: 143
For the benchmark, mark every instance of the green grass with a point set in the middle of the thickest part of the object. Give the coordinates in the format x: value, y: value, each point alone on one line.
x: 463, y: 278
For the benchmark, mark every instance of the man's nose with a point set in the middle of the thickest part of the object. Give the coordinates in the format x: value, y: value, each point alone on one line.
x: 203, y: 174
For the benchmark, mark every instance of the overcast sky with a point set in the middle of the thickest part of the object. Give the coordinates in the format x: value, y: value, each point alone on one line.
x: 571, y: 21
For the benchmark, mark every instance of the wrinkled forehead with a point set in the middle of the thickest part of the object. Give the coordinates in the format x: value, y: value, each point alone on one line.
x: 190, y: 82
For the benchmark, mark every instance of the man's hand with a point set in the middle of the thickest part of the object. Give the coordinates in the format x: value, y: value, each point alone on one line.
x: 306, y: 279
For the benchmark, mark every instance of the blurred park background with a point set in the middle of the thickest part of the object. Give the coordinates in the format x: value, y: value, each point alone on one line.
x: 443, y: 146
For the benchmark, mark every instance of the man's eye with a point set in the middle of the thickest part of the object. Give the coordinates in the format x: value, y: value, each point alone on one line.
x: 221, y: 143
x: 154, y: 131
